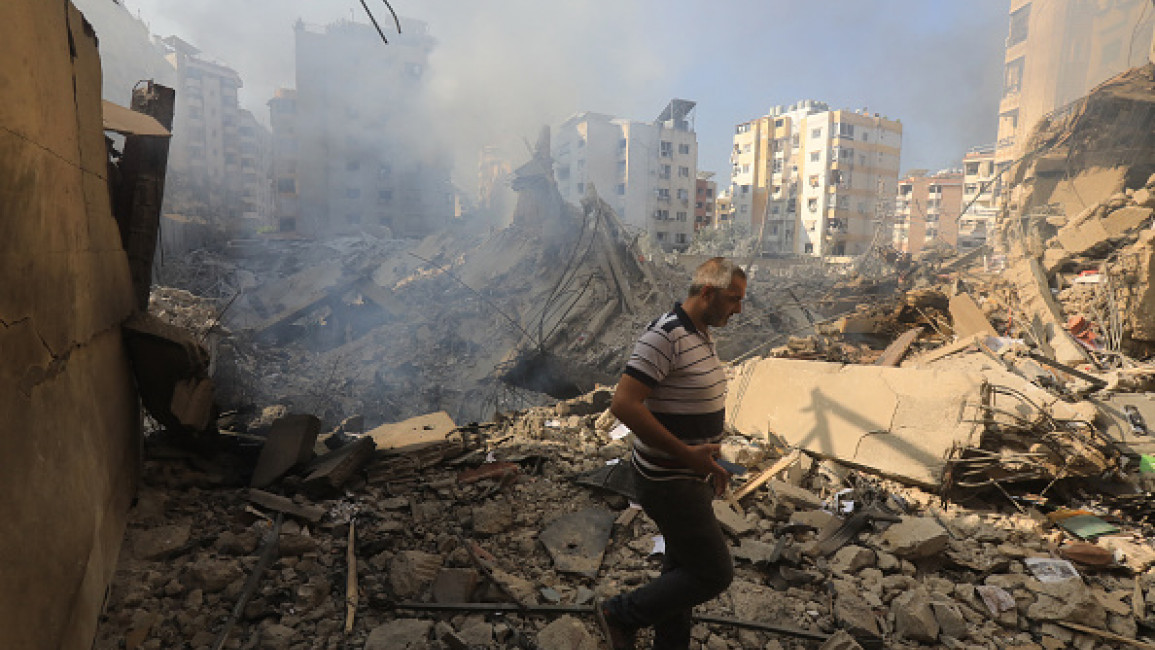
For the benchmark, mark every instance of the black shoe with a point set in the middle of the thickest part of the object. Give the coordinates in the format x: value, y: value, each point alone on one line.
x: 618, y: 636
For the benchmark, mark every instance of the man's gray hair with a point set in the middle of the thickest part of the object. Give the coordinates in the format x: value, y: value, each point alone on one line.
x: 717, y: 272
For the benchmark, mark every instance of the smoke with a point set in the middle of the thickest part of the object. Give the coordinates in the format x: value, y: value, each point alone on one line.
x: 502, y: 69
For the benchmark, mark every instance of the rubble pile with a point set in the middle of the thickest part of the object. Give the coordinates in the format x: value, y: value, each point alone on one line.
x: 500, y: 535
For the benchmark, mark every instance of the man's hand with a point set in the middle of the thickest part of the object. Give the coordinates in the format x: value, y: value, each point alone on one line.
x: 700, y: 458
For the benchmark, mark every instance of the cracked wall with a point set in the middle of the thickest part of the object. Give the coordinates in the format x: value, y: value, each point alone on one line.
x: 70, y: 436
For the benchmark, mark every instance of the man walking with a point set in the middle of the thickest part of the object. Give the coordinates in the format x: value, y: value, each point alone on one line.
x: 672, y: 395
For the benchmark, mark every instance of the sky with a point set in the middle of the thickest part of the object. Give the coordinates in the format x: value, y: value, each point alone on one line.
x: 504, y: 68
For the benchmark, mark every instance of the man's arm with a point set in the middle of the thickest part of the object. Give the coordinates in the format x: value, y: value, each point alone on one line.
x: 629, y: 407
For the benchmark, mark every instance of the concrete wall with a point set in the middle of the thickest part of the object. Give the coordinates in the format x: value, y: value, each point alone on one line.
x: 69, y: 438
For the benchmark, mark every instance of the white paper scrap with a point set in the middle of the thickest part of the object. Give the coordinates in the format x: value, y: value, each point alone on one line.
x: 619, y: 432
x: 1048, y: 569
x: 659, y: 545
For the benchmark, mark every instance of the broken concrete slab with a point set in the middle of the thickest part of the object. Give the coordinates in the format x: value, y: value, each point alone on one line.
x: 577, y: 541
x: 913, y: 616
x: 1044, y: 316
x: 401, y: 634
x: 286, y: 505
x: 335, y: 467
x: 898, y: 348
x: 414, y: 432
x: 729, y: 519
x: 799, y: 498
x: 898, y: 422
x: 289, y: 443
x: 967, y: 317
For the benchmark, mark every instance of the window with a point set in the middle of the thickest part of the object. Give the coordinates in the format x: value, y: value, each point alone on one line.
x: 779, y: 122
x: 680, y: 238
x: 684, y: 194
x: 666, y: 149
x: 352, y: 193
x: 581, y: 188
x: 846, y: 130
x: 814, y: 182
x: 746, y: 169
x: 684, y: 148
x: 683, y: 172
x: 815, y: 133
x: 972, y: 169
x: 742, y: 128
x: 774, y: 229
x: 776, y: 209
x: 663, y: 194
x: 286, y: 185
x: 1013, y: 77
x: 664, y: 172
x: 621, y: 168
x: 776, y: 166
x: 622, y: 143
x: 746, y: 147
x: 384, y: 171
x: 814, y: 156
x: 812, y: 205
x: 846, y: 154
x: 621, y: 189
x: 709, y: 192
x: 745, y: 189
x: 794, y: 141
x: 1020, y: 24
x: 661, y: 235
x: 384, y: 196
x: 662, y: 215
x: 681, y: 215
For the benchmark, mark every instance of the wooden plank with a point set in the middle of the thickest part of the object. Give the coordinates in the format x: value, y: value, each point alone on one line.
x: 1103, y: 634
x: 351, y: 596
x: 760, y: 480
x: 898, y: 348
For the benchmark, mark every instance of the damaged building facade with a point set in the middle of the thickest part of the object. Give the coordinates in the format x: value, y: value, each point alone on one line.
x: 815, y: 181
x: 354, y: 150
x: 646, y: 171
x: 927, y: 210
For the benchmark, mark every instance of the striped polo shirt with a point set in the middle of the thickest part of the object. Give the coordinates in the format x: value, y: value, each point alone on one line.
x: 688, y: 384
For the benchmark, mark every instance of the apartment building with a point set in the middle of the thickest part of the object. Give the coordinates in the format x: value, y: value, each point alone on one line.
x: 204, y: 155
x: 355, y: 146
x: 646, y: 171
x: 927, y: 210
x: 705, y: 195
x: 981, y: 190
x: 1057, y: 52
x: 814, y: 181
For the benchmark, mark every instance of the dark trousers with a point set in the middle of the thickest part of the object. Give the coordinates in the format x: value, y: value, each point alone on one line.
x: 697, y: 565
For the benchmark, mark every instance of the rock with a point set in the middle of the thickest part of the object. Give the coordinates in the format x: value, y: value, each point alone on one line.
x: 277, y: 636
x: 157, y: 543
x: 840, y: 640
x: 887, y: 562
x: 1123, y: 625
x: 951, y: 621
x: 455, y: 585
x: 1144, y: 197
x: 1066, y: 600
x: 566, y: 633
x: 522, y: 589
x: 231, y: 543
x: 493, y: 518
x: 855, y: 615
x: 296, y: 545
x: 213, y: 575
x: 754, y: 551
x: 311, y: 594
x: 915, y: 537
x: 819, y: 519
x: 800, y: 498
x: 913, y: 617
x: 849, y: 559
x: 401, y: 634
x: 412, y: 571
x: 475, y: 632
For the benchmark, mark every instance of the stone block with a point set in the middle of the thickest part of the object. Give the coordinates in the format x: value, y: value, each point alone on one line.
x: 412, y: 571
x: 566, y: 633
x: 455, y: 585
x: 915, y: 537
x: 401, y: 634
x: 914, y: 618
